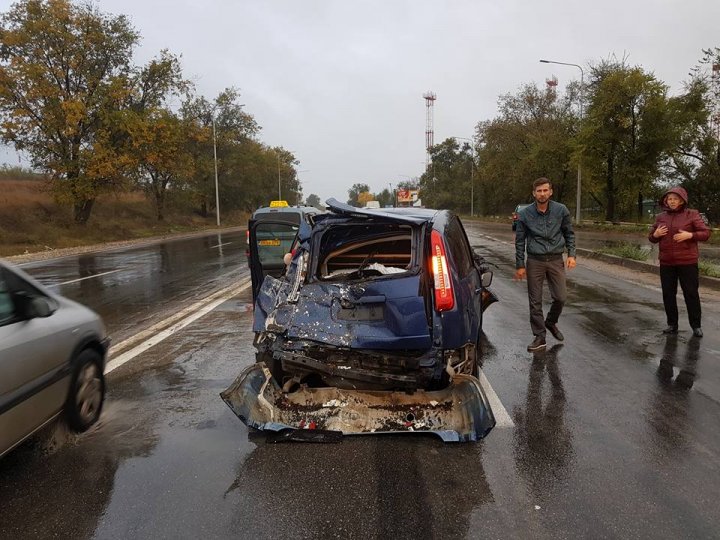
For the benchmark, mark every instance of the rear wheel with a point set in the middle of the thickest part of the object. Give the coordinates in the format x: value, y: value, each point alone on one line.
x: 87, y: 391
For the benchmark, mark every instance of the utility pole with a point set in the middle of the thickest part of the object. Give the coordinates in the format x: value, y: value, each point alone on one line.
x: 279, y: 187
x: 217, y: 193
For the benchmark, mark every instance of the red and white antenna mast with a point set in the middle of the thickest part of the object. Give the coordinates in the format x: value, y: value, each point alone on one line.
x: 552, y: 83
x: 430, y: 98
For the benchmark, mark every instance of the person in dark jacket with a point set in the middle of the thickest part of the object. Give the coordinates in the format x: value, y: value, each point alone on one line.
x: 545, y: 231
x: 678, y: 230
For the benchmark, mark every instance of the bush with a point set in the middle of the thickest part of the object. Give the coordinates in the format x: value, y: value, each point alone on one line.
x: 709, y: 269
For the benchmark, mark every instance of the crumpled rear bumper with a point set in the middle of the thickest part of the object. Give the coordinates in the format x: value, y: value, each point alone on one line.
x: 458, y: 413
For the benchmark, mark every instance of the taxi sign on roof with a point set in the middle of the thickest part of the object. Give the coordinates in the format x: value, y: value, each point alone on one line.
x: 277, y: 204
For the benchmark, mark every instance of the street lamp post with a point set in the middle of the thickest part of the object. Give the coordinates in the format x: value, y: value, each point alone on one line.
x: 582, y: 90
x: 217, y: 193
x: 297, y: 173
x: 279, y: 188
x: 472, y: 176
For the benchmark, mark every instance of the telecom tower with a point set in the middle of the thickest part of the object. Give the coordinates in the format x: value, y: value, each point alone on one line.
x: 430, y: 98
x: 552, y: 83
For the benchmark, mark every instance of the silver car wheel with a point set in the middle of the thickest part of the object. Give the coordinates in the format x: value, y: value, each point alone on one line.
x: 87, y: 391
x: 89, y: 394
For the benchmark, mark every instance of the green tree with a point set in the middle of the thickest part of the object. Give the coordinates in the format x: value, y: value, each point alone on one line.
x: 694, y: 161
x: 240, y: 157
x: 64, y: 71
x: 446, y: 183
x: 385, y: 198
x: 354, y: 194
x: 626, y: 131
x: 532, y: 136
x: 161, y: 144
x: 313, y: 200
x: 157, y: 139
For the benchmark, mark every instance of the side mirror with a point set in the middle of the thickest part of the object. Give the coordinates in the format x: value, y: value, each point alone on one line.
x: 41, y: 307
x: 486, y: 279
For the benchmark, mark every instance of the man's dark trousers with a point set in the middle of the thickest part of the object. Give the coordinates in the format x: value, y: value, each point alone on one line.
x: 689, y: 282
x: 537, y: 269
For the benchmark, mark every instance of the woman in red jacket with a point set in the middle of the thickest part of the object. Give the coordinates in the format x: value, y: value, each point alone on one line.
x: 678, y: 230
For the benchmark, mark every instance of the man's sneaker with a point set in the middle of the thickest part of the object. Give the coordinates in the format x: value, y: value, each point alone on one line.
x: 697, y: 332
x: 537, y: 344
x: 672, y: 329
x: 554, y: 330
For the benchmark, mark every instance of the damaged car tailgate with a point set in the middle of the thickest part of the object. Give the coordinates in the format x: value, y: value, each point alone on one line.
x: 458, y: 413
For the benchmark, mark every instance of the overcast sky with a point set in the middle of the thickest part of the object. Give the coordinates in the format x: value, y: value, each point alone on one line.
x: 340, y: 83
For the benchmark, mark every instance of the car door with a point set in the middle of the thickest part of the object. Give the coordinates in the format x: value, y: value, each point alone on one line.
x: 33, y: 362
x: 270, y: 239
x: 468, y: 275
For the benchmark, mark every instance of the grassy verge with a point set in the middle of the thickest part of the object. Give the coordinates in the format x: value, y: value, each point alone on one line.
x: 709, y: 269
x: 636, y: 253
x: 627, y: 251
x: 30, y: 221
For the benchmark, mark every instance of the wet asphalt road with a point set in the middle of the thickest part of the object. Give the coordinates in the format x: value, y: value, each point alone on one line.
x: 133, y: 288
x: 615, y: 436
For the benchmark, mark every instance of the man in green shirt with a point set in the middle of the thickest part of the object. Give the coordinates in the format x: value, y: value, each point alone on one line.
x: 544, y: 230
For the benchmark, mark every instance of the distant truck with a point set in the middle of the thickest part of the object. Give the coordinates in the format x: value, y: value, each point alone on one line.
x: 372, y: 204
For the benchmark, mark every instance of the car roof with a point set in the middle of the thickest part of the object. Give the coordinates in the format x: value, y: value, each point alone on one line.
x: 293, y: 209
x: 405, y: 214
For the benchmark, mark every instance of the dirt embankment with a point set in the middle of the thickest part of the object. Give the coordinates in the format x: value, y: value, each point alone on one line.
x: 33, y: 226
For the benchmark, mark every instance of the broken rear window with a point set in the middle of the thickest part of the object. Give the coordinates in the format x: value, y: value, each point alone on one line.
x: 359, y: 251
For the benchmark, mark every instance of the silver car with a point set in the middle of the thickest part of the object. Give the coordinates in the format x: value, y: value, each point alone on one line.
x: 52, y: 358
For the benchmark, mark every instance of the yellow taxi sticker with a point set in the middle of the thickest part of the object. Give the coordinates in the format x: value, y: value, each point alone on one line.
x: 274, y: 242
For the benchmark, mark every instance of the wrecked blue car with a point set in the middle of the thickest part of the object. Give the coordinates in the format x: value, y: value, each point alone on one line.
x: 374, y: 327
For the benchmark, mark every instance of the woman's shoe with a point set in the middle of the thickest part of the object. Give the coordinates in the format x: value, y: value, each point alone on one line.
x: 670, y: 330
x: 697, y: 332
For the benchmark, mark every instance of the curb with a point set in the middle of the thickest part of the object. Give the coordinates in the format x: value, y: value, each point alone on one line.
x: 706, y: 281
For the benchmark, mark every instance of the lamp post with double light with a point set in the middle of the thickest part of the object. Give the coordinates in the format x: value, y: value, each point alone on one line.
x: 582, y: 89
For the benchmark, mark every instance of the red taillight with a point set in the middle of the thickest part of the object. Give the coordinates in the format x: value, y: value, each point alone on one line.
x: 444, y: 297
x: 247, y: 236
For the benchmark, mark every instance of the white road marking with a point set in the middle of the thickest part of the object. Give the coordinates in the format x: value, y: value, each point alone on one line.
x: 190, y: 314
x: 219, y: 245
x: 502, y: 418
x: 84, y: 278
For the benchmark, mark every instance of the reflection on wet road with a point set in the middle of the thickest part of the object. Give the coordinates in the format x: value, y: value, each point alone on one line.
x: 615, y: 435
x: 134, y: 288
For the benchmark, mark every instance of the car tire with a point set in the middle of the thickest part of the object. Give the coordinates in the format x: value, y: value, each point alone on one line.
x: 478, y: 358
x: 87, y: 391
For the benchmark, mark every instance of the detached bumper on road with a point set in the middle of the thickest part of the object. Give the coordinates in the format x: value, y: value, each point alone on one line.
x: 458, y: 413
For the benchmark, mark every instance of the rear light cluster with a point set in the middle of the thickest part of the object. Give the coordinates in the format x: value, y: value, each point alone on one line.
x: 444, y: 297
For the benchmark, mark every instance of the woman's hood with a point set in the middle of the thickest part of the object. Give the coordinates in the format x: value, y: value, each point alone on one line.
x: 680, y: 192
